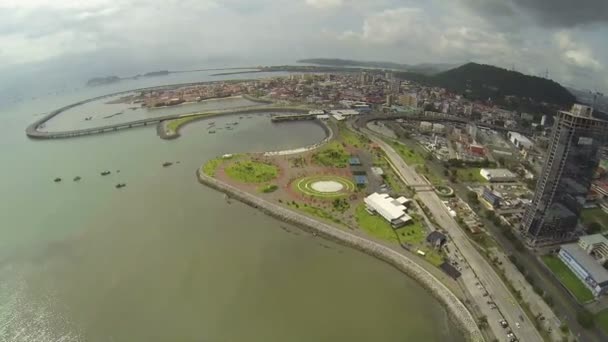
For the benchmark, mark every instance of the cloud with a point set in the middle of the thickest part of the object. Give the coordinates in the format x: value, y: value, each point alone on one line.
x: 122, y: 34
x: 324, y: 4
x: 575, y: 53
x: 547, y: 13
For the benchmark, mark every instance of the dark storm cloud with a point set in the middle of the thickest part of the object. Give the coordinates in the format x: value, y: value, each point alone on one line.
x: 548, y: 13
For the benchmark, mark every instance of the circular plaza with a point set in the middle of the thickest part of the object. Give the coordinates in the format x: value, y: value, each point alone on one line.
x: 324, y: 186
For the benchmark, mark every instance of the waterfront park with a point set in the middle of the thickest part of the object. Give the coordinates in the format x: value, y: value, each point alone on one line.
x: 320, y: 183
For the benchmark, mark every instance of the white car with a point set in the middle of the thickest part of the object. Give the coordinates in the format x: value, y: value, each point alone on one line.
x: 517, y: 325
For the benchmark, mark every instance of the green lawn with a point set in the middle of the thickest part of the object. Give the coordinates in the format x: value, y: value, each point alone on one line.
x: 410, y: 156
x: 351, y: 138
x: 429, y: 174
x: 601, y: 320
x: 249, y: 171
x: 568, y: 279
x: 315, y: 211
x: 211, y: 166
x: 332, y: 155
x: 595, y: 215
x: 470, y: 175
x: 412, y: 233
x: 432, y: 256
x: 375, y: 225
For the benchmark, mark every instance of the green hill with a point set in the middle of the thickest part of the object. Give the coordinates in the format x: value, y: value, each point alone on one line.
x: 480, y: 82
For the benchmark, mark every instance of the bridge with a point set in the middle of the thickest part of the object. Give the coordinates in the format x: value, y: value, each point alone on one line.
x: 33, y: 131
x: 435, y: 117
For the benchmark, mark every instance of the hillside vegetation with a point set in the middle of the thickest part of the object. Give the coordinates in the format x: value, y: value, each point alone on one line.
x: 480, y: 82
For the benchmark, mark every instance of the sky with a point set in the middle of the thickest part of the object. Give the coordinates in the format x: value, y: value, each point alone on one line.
x: 88, y: 38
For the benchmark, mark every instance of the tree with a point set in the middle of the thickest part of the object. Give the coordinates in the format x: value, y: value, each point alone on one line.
x: 472, y: 197
x: 594, y: 228
x: 585, y: 319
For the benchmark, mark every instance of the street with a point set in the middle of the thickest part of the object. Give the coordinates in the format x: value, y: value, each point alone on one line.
x: 480, y: 270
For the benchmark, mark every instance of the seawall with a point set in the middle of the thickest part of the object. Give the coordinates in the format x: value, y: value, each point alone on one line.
x: 164, y: 134
x: 456, y: 309
x: 329, y: 135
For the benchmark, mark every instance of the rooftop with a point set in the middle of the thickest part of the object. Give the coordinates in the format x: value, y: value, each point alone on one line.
x: 594, y: 239
x: 386, y: 206
x: 496, y: 173
x: 599, y: 273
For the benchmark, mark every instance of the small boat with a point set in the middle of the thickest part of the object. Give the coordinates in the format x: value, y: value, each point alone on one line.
x: 211, y: 132
x: 165, y: 164
x: 229, y: 128
x: 120, y: 185
x: 235, y: 123
x: 57, y: 180
x: 105, y: 173
x: 77, y: 178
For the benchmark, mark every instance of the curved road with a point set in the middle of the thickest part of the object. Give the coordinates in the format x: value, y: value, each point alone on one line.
x: 33, y: 131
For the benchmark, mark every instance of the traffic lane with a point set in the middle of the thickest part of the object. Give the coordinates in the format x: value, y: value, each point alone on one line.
x: 494, y: 284
x: 503, y: 299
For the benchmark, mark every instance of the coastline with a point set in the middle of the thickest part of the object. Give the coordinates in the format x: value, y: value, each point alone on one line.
x: 32, y: 129
x: 456, y: 309
x: 189, y: 118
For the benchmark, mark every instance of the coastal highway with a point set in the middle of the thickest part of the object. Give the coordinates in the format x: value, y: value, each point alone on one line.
x: 33, y: 131
x: 498, y: 291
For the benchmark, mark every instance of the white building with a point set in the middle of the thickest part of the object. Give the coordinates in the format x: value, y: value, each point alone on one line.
x: 345, y: 112
x: 520, y: 141
x: 392, y: 210
x: 498, y: 175
x: 438, y: 128
x: 426, y: 126
x: 338, y: 117
x: 596, y: 245
x: 316, y: 112
x: 585, y: 267
x: 582, y: 110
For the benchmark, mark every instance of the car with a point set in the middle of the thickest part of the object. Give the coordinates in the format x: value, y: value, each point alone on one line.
x: 517, y: 325
x: 503, y: 323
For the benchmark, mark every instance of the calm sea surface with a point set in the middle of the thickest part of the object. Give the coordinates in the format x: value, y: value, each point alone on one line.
x: 167, y: 259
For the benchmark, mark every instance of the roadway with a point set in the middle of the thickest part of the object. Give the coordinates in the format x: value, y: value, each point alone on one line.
x: 488, y: 279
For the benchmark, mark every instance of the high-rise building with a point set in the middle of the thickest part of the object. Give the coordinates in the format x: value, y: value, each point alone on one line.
x: 363, y: 78
x: 564, y: 182
x: 410, y: 100
x: 389, y: 100
x: 468, y: 110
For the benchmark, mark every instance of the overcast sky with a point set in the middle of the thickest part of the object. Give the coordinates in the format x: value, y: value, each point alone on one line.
x: 99, y: 37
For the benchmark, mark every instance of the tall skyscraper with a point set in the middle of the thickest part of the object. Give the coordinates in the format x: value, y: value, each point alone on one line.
x: 565, y: 179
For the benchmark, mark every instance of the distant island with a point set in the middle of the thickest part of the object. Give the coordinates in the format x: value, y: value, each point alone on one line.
x: 157, y: 73
x: 97, y: 81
